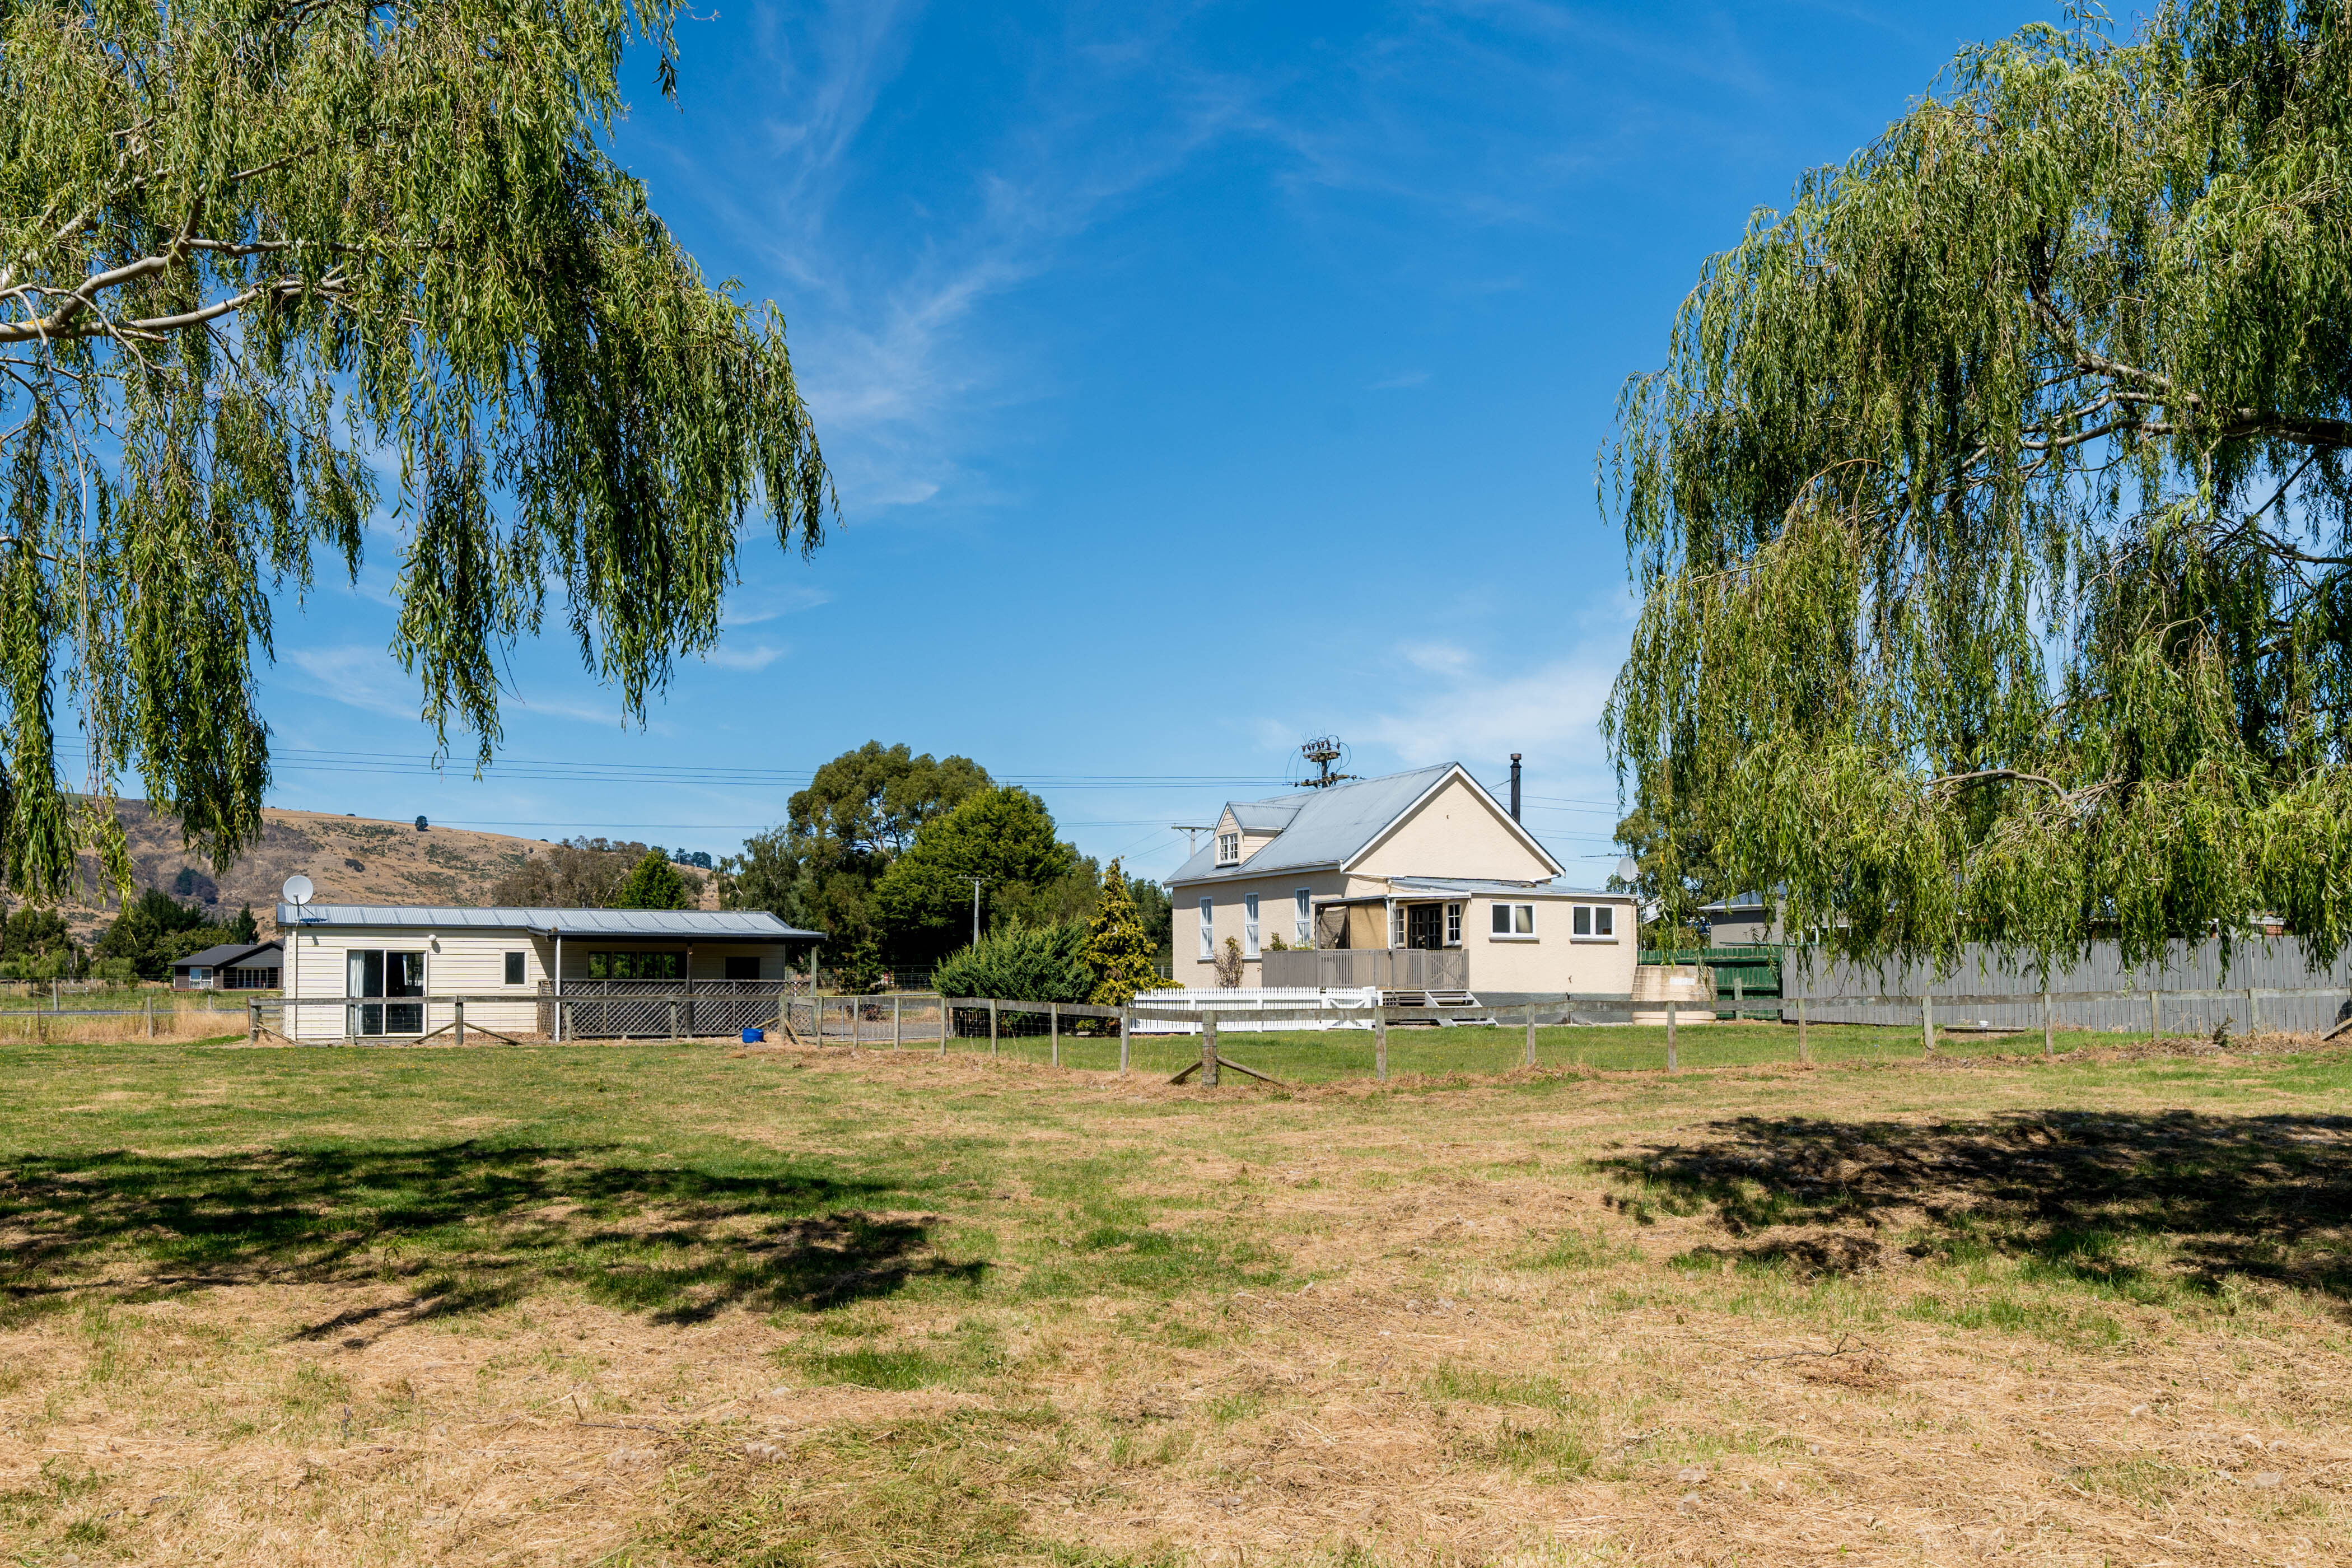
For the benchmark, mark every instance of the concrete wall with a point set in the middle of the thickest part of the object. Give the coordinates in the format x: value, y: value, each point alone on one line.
x: 1276, y: 896
x: 1557, y: 959
x: 1457, y: 832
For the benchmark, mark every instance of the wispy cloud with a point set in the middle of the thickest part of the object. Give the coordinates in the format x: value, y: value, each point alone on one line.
x: 893, y: 350
x: 357, y: 676
x: 1442, y: 659
x: 751, y: 604
x: 757, y: 657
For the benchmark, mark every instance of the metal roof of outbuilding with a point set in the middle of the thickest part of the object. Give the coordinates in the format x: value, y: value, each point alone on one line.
x: 722, y: 925
x: 222, y: 957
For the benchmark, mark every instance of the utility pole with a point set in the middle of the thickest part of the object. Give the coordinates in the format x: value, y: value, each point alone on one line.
x: 975, y: 911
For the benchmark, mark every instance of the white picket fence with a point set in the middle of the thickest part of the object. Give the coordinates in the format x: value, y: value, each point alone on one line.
x: 1346, y: 1008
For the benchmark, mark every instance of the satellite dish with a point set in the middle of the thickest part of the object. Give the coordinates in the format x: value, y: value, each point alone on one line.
x: 298, y: 890
x: 1628, y: 870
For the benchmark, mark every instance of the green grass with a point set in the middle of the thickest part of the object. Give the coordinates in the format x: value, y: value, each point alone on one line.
x: 1021, y: 1285
x: 1305, y: 1057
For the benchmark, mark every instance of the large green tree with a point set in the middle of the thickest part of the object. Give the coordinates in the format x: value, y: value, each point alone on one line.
x: 155, y: 928
x: 1991, y: 515
x: 1006, y: 838
x: 818, y: 869
x: 253, y: 255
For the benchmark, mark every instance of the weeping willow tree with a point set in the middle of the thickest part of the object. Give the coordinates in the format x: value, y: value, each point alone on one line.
x: 275, y: 274
x: 1990, y: 514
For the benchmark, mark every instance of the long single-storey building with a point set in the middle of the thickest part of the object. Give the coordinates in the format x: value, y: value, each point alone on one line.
x: 391, y: 972
x: 231, y: 966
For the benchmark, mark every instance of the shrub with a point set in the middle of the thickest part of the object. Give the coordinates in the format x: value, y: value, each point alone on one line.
x: 1020, y: 964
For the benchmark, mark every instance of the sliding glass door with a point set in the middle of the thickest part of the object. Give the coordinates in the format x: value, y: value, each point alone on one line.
x: 390, y: 974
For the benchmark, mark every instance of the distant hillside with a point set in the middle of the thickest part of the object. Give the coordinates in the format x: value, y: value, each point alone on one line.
x: 352, y: 859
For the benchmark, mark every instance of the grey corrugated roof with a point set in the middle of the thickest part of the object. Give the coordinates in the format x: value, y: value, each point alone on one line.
x: 222, y: 957
x: 1265, y: 815
x: 1479, y: 887
x: 726, y: 925
x: 1327, y: 826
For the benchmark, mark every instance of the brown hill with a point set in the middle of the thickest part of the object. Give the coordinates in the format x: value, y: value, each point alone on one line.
x: 351, y: 859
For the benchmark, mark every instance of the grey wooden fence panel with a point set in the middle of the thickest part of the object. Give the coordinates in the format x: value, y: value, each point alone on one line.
x: 2278, y: 962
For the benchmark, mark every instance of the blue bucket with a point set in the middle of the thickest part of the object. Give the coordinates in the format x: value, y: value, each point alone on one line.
x: 754, y: 1036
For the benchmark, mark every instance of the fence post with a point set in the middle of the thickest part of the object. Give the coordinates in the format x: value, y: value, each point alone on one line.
x: 252, y: 1022
x: 898, y: 1023
x: 1126, y: 1011
x: 947, y: 1022
x: 1380, y: 1041
x: 2154, y: 1015
x: 1672, y: 1064
x: 2253, y: 1011
x: 673, y: 1018
x: 1531, y: 1035
x: 1804, y: 1052
x: 1738, y: 994
x: 1926, y: 1024
x: 148, y: 1005
x: 457, y: 1019
x: 2048, y: 1049
x: 1053, y: 1023
x: 1208, y: 1048
x: 991, y: 1025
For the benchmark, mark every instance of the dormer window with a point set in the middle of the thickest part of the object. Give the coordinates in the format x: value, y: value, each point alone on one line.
x: 1229, y: 849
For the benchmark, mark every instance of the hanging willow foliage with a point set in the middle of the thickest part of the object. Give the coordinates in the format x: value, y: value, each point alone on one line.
x: 254, y: 254
x: 1990, y: 515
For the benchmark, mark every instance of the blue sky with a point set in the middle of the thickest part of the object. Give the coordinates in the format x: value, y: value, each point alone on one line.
x: 1198, y: 378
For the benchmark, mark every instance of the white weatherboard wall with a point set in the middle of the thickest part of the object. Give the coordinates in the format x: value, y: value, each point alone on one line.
x: 461, y: 963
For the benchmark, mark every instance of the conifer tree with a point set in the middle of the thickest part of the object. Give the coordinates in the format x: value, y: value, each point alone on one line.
x: 654, y: 884
x: 1119, y: 951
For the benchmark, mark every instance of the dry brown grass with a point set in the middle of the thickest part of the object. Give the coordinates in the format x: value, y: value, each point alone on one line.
x: 1757, y: 1316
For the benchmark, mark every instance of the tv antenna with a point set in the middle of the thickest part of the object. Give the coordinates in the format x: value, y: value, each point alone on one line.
x: 1323, y: 751
x: 298, y: 891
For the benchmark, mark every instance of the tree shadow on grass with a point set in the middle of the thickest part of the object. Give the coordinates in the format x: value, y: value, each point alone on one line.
x: 461, y: 1227
x: 2257, y: 1197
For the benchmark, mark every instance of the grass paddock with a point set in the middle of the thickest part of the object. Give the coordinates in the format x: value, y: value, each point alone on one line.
x: 688, y: 1304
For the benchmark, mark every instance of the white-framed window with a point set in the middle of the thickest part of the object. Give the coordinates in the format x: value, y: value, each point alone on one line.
x: 1304, y: 919
x: 1594, y: 922
x: 1249, y: 925
x: 514, y: 969
x: 1229, y: 849
x: 1396, y: 925
x: 1207, y: 930
x: 1515, y: 922
x: 387, y: 974
x: 1454, y: 925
